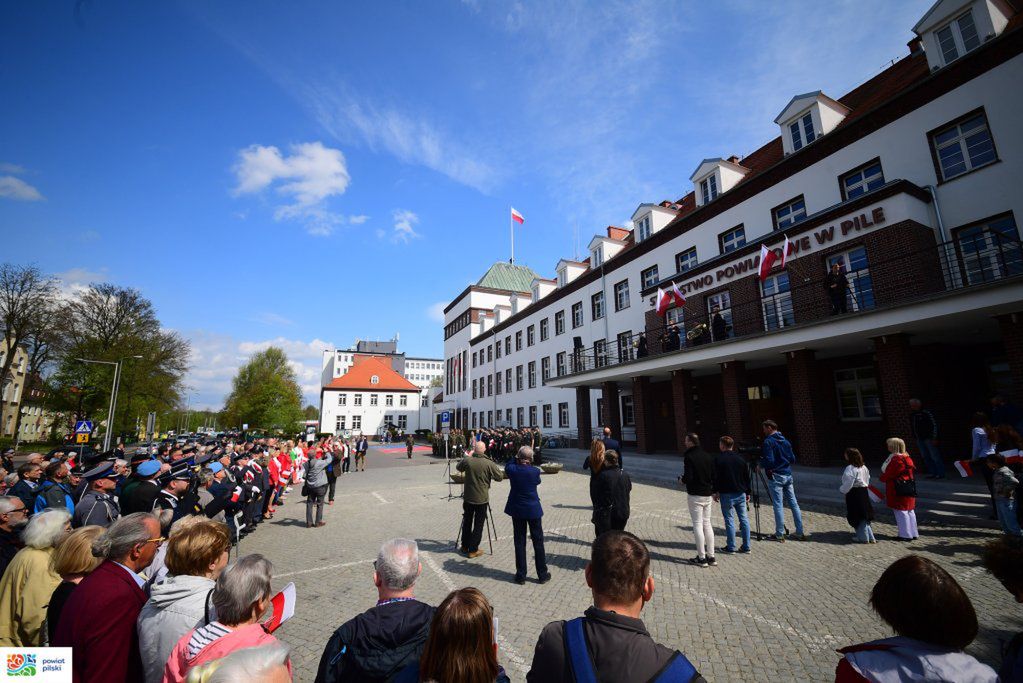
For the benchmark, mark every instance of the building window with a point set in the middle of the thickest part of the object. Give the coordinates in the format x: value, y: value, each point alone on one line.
x: 858, y: 398
x: 498, y: 383
x: 563, y: 415
x: 403, y: 422
x: 547, y: 416
x: 545, y: 368
x: 562, y: 278
x: 598, y: 257
x: 805, y: 123
x: 490, y: 385
x: 532, y: 416
x: 474, y: 359
x: 518, y: 340
x: 559, y: 323
x: 577, y: 315
x: 958, y: 37
x: 342, y: 399
x: 624, y: 340
x: 685, y: 260
x: 649, y: 277
x: 374, y: 380
x: 709, y: 189
x: 474, y: 416
x: 340, y: 424
x: 732, y: 239
x: 498, y: 349
x: 963, y: 146
x: 676, y: 316
x: 536, y: 293
x: 628, y: 413
x: 560, y: 363
x: 776, y: 300
x: 507, y: 345
x: 490, y: 356
x: 474, y: 388
x: 358, y: 400
x: 389, y: 400
x: 600, y: 352
x: 507, y: 416
x: 373, y: 399
x: 425, y: 402
x: 644, y: 228
x: 862, y: 180
x: 531, y: 374
x: 720, y: 305
x: 990, y: 250
x: 530, y: 335
x: 597, y: 305
x: 518, y: 378
x: 356, y: 421
x: 789, y: 214
x: 545, y: 331
x: 622, y: 295
x: 860, y: 295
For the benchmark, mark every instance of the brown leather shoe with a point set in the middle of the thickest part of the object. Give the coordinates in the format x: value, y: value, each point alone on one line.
x: 475, y: 553
x: 321, y: 524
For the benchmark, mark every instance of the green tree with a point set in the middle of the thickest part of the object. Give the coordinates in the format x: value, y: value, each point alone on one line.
x: 311, y: 412
x: 27, y: 298
x: 265, y: 394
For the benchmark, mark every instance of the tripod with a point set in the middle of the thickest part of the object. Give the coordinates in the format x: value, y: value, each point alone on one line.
x: 491, y: 529
x: 758, y: 478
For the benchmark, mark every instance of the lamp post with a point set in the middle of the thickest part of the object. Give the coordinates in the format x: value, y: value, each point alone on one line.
x: 113, y: 393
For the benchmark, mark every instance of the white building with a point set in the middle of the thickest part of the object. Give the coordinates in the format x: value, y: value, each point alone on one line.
x: 909, y: 182
x: 396, y: 387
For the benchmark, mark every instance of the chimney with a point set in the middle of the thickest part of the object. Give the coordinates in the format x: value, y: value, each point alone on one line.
x: 733, y: 160
x: 916, y: 45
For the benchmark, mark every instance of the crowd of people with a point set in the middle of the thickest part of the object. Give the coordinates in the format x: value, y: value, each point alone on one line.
x: 502, y: 443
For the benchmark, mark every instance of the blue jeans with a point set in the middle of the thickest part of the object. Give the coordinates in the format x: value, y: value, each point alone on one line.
x: 932, y: 457
x: 864, y: 533
x: 737, y: 502
x: 783, y: 493
x: 1007, y: 515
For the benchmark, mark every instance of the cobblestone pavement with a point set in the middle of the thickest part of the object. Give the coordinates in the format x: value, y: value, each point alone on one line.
x: 777, y: 614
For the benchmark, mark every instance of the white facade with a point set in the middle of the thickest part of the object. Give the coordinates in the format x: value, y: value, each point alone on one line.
x: 367, y: 412
x: 610, y: 301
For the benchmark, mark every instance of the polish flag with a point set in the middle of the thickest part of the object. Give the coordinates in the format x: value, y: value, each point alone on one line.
x: 663, y: 301
x: 875, y: 495
x: 677, y: 295
x: 517, y: 217
x: 767, y: 259
x: 283, y: 608
x: 785, y: 251
x: 964, y: 468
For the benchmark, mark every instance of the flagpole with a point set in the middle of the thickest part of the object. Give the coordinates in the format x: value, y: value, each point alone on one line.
x: 511, y: 229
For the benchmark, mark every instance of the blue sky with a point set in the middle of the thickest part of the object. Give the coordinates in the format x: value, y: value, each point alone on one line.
x: 306, y: 173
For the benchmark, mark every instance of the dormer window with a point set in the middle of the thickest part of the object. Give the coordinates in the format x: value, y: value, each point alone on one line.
x: 709, y: 189
x: 536, y: 293
x: 801, y: 130
x: 958, y: 37
x: 644, y: 227
x: 561, y: 278
x: 374, y: 380
x: 598, y: 257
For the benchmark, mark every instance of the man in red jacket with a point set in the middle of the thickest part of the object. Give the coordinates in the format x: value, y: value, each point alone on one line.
x: 99, y: 618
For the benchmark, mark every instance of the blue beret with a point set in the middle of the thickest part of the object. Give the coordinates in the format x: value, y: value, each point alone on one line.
x: 215, y: 467
x: 148, y: 468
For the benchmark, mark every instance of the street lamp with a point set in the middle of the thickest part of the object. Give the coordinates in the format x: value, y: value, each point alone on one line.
x: 113, y: 393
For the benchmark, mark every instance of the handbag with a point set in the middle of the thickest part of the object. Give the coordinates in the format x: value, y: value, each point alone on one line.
x: 905, y: 488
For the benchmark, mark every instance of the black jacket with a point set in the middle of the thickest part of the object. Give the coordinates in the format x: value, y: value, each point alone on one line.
x: 923, y: 423
x: 619, y: 646
x: 10, y: 544
x: 25, y: 490
x: 616, y: 446
x: 699, y: 472
x: 377, y: 644
x: 731, y: 473
x: 611, y: 493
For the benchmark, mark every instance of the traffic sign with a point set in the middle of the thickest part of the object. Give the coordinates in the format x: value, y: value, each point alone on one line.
x: 81, y: 438
x: 83, y: 427
x: 151, y: 423
x: 445, y: 422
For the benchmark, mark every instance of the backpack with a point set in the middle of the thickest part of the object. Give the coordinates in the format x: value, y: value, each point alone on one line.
x: 50, y: 495
x: 678, y: 668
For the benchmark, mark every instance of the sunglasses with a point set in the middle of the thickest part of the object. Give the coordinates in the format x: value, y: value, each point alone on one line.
x: 157, y: 541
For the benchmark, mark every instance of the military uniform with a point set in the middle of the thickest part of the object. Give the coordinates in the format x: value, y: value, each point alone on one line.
x: 96, y: 508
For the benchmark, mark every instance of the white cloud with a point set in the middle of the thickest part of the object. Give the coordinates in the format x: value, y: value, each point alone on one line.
x: 357, y: 220
x: 272, y: 319
x: 404, y: 230
x: 308, y: 177
x: 18, y: 189
x: 75, y: 280
x: 13, y: 169
x: 435, y: 312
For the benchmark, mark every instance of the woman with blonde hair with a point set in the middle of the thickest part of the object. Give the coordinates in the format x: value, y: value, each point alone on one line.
x: 595, y: 463
x: 897, y: 473
x: 28, y: 582
x: 72, y: 561
x: 462, y: 645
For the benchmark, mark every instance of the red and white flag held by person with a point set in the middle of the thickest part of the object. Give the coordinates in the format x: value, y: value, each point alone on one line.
x: 767, y: 259
x: 663, y: 301
x: 677, y: 295
x: 875, y: 495
x: 283, y: 608
x: 517, y: 217
x: 965, y: 467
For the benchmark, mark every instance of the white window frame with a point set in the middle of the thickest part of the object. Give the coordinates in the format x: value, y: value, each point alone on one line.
x: 649, y: 277
x: 644, y: 228
x: 545, y: 368
x: 403, y: 400
x: 776, y: 302
x: 530, y: 335
x: 545, y: 329
x: 598, y: 256
x: 866, y: 183
x: 731, y: 240
x: 859, y: 385
x: 548, y: 416
x: 597, y: 306
x: 561, y: 364
x: 532, y: 416
x: 342, y: 399
x: 357, y: 401
x: 723, y: 300
x: 683, y: 258
x: 374, y: 399
x: 389, y: 400
x: 800, y: 129
x: 794, y: 212
x: 531, y: 374
x: 709, y: 188
x: 628, y: 412
x: 357, y: 422
x: 563, y: 416
x: 340, y: 423
x: 374, y: 380
x: 403, y: 422
x: 960, y: 141
x: 624, y: 342
x: 621, y: 290
x: 954, y: 31
x: 559, y: 323
x: 577, y: 320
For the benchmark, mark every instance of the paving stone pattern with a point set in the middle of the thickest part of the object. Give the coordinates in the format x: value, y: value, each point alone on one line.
x: 776, y: 614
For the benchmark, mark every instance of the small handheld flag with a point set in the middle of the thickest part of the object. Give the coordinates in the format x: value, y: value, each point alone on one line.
x: 283, y: 608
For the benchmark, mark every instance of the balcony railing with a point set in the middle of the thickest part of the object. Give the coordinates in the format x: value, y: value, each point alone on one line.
x: 981, y: 259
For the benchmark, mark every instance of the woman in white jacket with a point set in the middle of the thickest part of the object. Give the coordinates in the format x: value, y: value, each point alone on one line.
x: 195, y: 558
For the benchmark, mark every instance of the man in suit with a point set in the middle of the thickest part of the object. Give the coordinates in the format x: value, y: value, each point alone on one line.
x: 611, y: 444
x: 140, y: 491
x: 525, y: 510
x: 99, y: 618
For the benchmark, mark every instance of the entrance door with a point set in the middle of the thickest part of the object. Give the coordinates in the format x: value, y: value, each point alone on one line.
x: 662, y: 416
x: 768, y: 403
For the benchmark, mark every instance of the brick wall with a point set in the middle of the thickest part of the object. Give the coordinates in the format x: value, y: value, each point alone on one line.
x: 582, y: 416
x: 894, y: 369
x: 733, y: 388
x: 683, y: 388
x: 1012, y: 339
x: 645, y: 423
x: 611, y: 409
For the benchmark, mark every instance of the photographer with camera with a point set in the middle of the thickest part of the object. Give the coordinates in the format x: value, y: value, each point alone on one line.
x: 777, y: 459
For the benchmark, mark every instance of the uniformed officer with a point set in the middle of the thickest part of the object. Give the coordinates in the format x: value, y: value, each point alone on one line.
x: 175, y: 483
x: 139, y: 493
x: 97, y: 506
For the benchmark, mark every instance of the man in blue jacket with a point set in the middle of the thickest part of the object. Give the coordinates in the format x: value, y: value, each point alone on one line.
x: 777, y: 459
x: 612, y: 444
x: 524, y: 507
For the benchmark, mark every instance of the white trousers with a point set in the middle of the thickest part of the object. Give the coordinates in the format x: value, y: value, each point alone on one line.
x: 700, y: 508
x: 905, y: 520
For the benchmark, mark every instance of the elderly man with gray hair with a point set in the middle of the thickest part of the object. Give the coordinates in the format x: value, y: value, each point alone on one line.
x: 377, y: 644
x: 525, y: 510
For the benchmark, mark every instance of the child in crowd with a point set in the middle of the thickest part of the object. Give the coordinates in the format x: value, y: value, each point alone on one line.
x: 1004, y: 484
x: 855, y: 480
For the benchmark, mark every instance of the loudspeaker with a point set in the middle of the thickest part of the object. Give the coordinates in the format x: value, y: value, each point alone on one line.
x: 577, y: 342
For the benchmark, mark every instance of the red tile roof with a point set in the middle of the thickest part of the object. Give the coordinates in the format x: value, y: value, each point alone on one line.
x: 362, y: 371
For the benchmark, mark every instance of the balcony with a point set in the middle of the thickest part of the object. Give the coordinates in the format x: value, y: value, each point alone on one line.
x: 946, y: 291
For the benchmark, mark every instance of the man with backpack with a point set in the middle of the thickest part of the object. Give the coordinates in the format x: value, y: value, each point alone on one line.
x: 54, y: 492
x: 610, y: 642
x: 777, y: 459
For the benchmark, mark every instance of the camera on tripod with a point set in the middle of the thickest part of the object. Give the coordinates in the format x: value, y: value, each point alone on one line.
x: 750, y: 450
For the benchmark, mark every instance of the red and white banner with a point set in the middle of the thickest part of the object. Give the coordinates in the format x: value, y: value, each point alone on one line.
x: 517, y: 217
x: 875, y: 495
x: 283, y: 608
x: 767, y: 259
x: 786, y: 249
x: 663, y: 301
x: 677, y: 295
